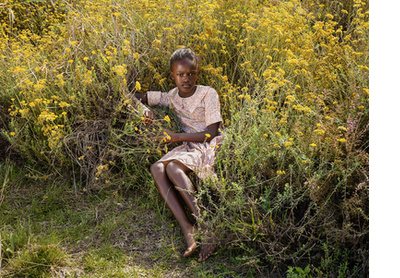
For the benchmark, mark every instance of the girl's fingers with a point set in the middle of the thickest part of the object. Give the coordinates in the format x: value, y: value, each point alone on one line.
x: 165, y: 137
x: 162, y: 139
x: 148, y: 117
x: 149, y: 114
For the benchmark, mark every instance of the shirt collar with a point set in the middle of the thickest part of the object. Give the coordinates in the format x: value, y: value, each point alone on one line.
x: 195, y: 99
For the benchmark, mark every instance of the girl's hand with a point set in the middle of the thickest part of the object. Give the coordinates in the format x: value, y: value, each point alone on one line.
x: 148, y: 117
x: 168, y: 136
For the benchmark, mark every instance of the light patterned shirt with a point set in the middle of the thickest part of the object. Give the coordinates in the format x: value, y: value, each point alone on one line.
x: 195, y: 112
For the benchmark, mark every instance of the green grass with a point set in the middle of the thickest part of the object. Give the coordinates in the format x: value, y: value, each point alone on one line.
x: 48, y: 230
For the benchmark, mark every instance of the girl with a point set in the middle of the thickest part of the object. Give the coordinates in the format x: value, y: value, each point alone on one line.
x: 198, y: 109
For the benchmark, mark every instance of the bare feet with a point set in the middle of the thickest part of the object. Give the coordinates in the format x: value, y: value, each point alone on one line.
x: 190, y: 242
x: 206, y: 250
x: 208, y: 246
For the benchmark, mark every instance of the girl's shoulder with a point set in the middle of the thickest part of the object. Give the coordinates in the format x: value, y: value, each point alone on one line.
x: 200, y: 88
x: 206, y: 90
x: 173, y: 91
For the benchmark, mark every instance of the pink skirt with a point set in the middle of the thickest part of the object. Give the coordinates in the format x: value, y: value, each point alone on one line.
x: 198, y: 157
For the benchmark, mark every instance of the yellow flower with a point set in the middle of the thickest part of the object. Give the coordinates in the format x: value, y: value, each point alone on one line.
x: 342, y: 140
x: 167, y: 137
x: 136, y: 55
x: 304, y: 161
x: 313, y: 145
x: 137, y: 86
x: 287, y: 144
x: 63, y: 104
x: 319, y: 131
x: 265, y: 135
x: 208, y: 135
x: 120, y: 70
x: 12, y: 133
x: 167, y: 119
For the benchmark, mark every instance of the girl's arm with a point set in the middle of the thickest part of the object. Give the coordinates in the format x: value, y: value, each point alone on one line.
x: 204, y: 136
x: 141, y: 97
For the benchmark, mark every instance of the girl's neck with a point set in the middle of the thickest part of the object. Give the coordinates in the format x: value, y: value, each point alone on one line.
x: 189, y: 94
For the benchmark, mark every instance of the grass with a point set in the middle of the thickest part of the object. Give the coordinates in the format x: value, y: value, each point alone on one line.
x: 48, y: 230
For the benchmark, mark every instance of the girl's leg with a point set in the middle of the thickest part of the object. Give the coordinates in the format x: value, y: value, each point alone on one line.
x: 177, y: 173
x: 169, y: 194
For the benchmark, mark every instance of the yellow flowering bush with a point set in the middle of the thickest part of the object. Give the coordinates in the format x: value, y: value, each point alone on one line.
x: 292, y: 77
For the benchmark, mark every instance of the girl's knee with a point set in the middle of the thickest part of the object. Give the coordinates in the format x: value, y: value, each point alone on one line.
x: 172, y: 168
x: 157, y: 168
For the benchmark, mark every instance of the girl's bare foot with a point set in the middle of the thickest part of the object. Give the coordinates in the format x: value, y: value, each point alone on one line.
x: 208, y: 246
x: 190, y: 242
x: 206, y: 250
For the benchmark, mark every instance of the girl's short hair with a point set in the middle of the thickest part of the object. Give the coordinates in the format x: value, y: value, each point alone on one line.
x: 182, y: 54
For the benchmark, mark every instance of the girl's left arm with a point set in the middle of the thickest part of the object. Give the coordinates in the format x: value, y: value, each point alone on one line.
x: 204, y: 136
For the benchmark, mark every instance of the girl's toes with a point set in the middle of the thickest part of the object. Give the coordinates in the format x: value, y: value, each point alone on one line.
x: 206, y: 252
x: 190, y: 250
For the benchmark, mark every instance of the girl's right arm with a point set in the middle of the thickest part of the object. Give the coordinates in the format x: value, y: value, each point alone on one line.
x: 141, y: 97
x: 152, y: 98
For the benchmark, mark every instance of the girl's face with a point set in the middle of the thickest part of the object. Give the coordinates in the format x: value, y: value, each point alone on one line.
x: 185, y: 75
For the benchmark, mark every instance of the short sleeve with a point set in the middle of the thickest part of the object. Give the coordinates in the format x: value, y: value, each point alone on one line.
x: 156, y: 98
x: 212, y: 108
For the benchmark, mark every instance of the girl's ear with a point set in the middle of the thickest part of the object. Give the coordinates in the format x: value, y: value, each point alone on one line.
x: 171, y: 74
